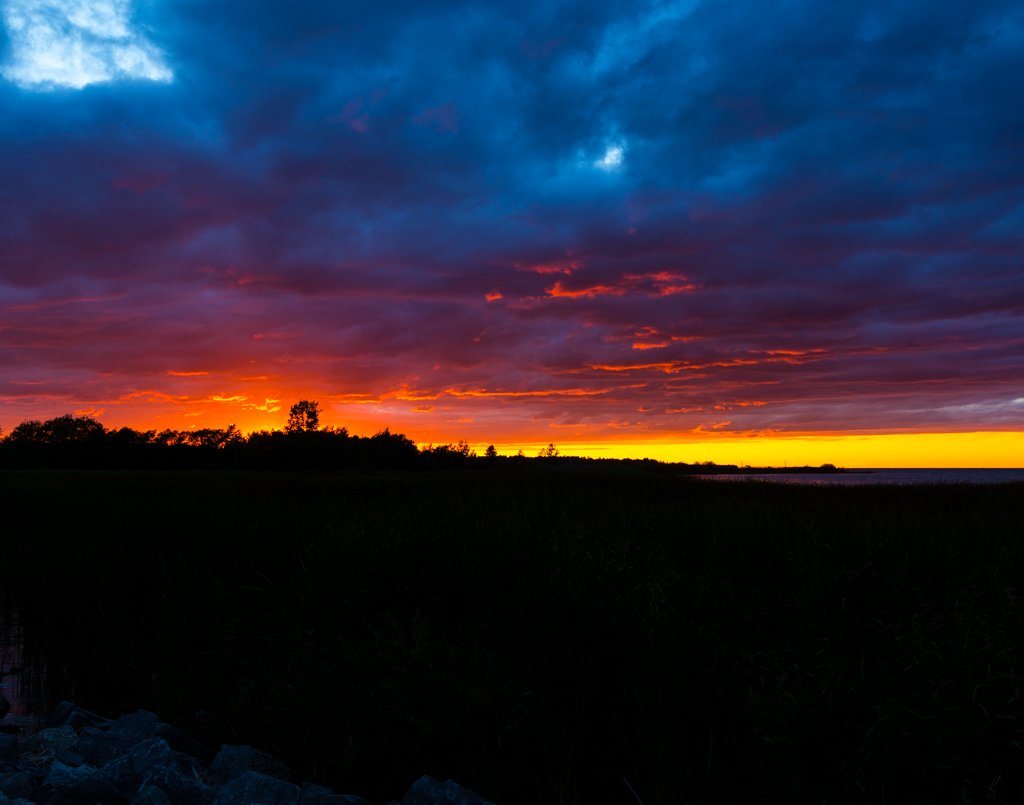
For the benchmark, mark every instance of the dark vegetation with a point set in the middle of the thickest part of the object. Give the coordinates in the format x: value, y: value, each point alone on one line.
x: 80, y: 442
x: 541, y: 632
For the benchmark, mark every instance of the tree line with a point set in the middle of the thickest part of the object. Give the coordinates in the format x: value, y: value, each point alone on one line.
x: 71, y: 441
x: 81, y: 442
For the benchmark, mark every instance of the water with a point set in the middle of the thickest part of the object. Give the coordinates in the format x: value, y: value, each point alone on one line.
x: 861, y: 477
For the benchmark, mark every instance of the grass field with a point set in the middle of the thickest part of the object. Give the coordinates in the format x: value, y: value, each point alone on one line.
x: 543, y: 635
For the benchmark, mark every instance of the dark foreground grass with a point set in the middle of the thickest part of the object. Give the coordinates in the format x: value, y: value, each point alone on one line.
x: 544, y: 636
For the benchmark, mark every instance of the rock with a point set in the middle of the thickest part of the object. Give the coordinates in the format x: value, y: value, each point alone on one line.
x: 70, y: 714
x: 78, y: 785
x: 233, y: 761
x: 20, y: 785
x: 50, y: 741
x: 8, y: 748
x: 181, y: 787
x: 179, y: 741
x: 83, y: 759
x: 429, y: 791
x: 136, y: 727
x: 5, y: 800
x: 69, y: 758
x: 60, y: 775
x: 313, y: 794
x: 253, y: 788
x: 89, y: 791
x: 5, y: 706
x: 151, y: 795
x: 128, y: 770
x: 99, y: 747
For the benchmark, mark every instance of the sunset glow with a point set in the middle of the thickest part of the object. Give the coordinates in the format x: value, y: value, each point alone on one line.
x: 636, y: 231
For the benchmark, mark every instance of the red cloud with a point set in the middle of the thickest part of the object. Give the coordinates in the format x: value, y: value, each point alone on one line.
x: 658, y: 283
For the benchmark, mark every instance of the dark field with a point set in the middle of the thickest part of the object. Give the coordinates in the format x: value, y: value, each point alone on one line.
x: 543, y: 634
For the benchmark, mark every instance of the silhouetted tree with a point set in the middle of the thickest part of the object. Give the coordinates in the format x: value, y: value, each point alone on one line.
x: 448, y: 455
x: 27, y: 432
x: 212, y: 437
x: 65, y: 429
x: 548, y: 452
x: 390, y: 450
x: 303, y: 417
x: 490, y: 452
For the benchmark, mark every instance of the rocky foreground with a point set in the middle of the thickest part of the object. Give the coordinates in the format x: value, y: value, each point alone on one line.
x: 80, y: 758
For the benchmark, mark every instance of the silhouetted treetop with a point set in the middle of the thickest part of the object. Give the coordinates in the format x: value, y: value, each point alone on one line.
x: 67, y: 429
x: 303, y: 417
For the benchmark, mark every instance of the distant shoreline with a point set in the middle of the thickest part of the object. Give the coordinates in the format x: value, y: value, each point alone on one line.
x: 872, y: 476
x: 732, y: 469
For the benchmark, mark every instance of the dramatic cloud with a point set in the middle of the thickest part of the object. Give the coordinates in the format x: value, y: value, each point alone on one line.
x: 517, y: 221
x: 74, y: 43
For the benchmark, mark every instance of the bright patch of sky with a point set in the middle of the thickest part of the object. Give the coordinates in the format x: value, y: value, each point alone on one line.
x: 612, y: 159
x: 75, y: 43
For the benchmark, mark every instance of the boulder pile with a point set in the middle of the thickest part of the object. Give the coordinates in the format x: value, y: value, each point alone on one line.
x: 80, y: 758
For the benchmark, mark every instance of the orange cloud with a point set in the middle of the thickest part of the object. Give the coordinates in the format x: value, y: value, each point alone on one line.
x: 406, y: 394
x: 665, y: 282
x: 355, y: 399
x: 473, y: 393
x: 269, y: 406
x: 151, y: 395
x: 790, y: 351
x: 187, y: 374
x: 658, y: 283
x: 554, y: 267
x: 711, y: 427
x: 668, y: 367
x: 560, y: 291
x: 649, y: 345
x: 675, y: 367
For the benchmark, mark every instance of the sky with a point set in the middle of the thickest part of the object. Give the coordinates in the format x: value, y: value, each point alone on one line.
x: 697, y: 230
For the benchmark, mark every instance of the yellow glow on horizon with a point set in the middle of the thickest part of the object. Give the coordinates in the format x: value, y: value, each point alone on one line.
x: 264, y: 406
x: 983, y: 449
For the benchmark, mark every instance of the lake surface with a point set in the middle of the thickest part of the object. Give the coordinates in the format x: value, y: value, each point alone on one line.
x: 860, y: 477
